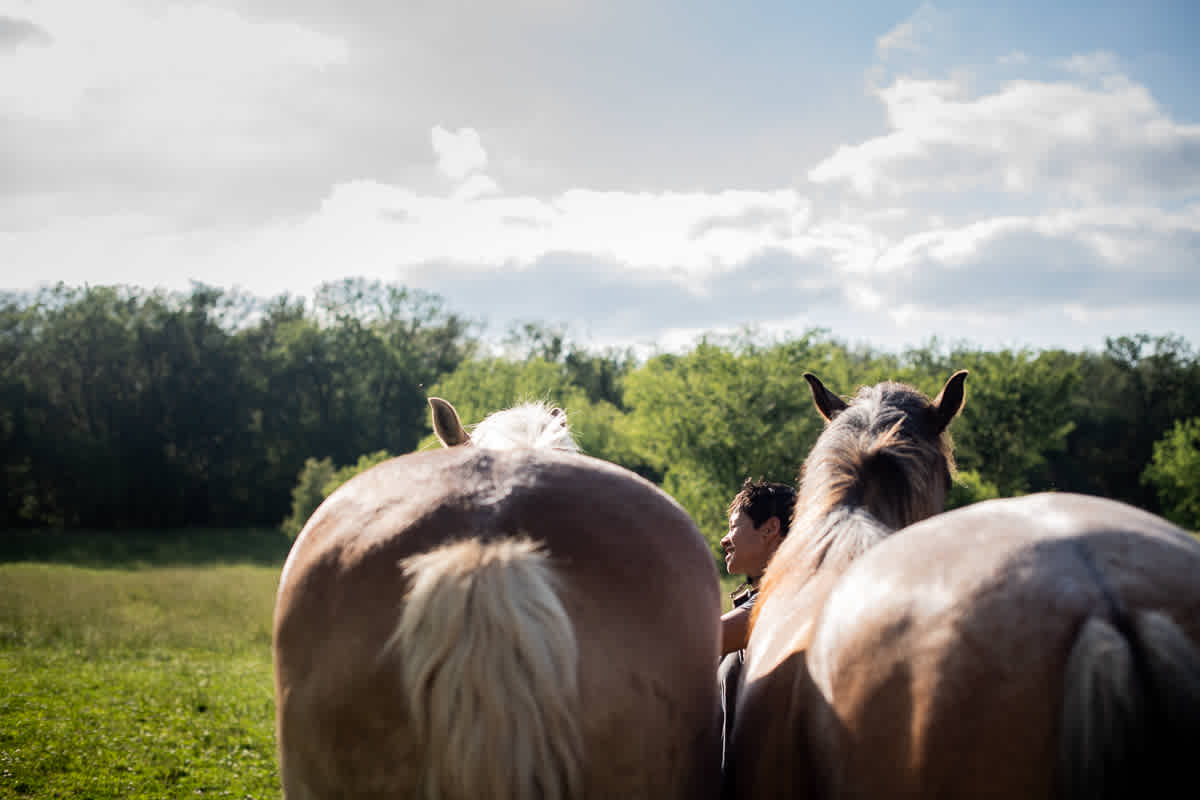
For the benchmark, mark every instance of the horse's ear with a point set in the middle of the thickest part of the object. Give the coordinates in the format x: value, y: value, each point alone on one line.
x: 950, y: 400
x: 828, y: 403
x: 446, y: 424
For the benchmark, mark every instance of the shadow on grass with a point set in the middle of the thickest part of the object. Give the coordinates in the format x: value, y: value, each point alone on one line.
x: 146, y: 548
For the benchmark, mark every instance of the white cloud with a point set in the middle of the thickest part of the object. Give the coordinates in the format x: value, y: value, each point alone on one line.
x: 644, y: 264
x: 459, y: 153
x: 1103, y: 259
x: 368, y: 227
x: 158, y: 65
x: 375, y: 225
x: 18, y: 32
x: 132, y: 107
x: 911, y: 35
x: 162, y: 142
x: 1065, y: 140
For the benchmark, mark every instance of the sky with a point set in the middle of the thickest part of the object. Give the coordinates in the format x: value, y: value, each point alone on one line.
x: 1021, y: 175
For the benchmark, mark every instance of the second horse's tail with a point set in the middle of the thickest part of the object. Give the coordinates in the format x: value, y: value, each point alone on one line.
x: 1131, y: 711
x: 489, y: 661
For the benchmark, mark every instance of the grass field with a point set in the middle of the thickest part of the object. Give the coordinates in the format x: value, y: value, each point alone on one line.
x: 139, y: 666
x: 138, y: 676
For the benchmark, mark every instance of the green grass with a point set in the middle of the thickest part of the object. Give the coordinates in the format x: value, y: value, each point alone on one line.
x: 138, y: 665
x: 138, y: 682
x: 137, y: 725
x: 132, y: 549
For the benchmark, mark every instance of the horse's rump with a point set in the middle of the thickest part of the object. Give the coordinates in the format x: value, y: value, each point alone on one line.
x: 563, y: 598
x: 1037, y: 647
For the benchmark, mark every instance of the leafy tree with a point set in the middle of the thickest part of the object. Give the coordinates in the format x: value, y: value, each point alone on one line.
x: 1018, y: 412
x: 364, y: 463
x: 481, y: 386
x: 126, y: 408
x: 128, y: 405
x: 351, y: 377
x: 969, y: 488
x: 122, y: 407
x: 317, y: 481
x: 428, y: 340
x: 726, y: 411
x: 1174, y: 473
x: 308, y: 493
x: 599, y: 375
x: 1130, y: 396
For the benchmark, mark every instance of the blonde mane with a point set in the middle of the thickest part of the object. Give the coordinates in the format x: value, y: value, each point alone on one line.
x: 534, y: 424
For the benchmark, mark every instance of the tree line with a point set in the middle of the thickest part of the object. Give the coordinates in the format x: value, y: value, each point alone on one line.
x: 130, y: 408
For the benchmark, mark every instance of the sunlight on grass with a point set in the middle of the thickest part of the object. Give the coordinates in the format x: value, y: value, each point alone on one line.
x: 143, y: 683
x: 154, y: 725
x: 211, y: 607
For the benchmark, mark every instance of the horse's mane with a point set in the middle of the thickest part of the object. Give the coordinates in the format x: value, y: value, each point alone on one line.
x: 879, y: 465
x: 533, y: 424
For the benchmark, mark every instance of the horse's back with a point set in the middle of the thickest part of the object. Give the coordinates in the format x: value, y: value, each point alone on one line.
x: 942, y: 652
x: 631, y: 571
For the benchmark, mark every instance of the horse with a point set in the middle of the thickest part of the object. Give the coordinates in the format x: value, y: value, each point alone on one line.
x: 504, y: 617
x: 1039, y: 647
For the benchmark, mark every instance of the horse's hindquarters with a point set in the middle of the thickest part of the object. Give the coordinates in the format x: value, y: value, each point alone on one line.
x: 361, y: 696
x: 944, y: 651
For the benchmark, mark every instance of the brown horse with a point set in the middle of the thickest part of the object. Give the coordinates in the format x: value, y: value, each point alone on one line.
x: 1037, y: 647
x: 504, y: 618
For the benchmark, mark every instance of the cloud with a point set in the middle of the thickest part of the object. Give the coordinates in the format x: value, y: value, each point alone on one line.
x: 639, y: 266
x: 15, y: 32
x: 673, y: 233
x: 1066, y: 140
x: 278, y: 146
x: 393, y: 232
x: 1098, y: 259
x: 187, y: 109
x: 610, y: 304
x: 505, y: 258
x: 459, y: 153
x: 911, y: 34
x: 156, y: 66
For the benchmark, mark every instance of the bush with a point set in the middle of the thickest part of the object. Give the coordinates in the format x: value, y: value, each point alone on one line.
x: 346, y: 473
x: 1174, y: 473
x: 317, y: 481
x: 308, y: 494
x: 969, y: 487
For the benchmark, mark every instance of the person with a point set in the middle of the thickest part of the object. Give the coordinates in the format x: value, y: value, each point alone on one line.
x: 759, y: 517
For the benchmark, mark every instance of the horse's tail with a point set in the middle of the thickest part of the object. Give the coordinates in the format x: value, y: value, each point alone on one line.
x: 490, y: 663
x: 1131, y: 708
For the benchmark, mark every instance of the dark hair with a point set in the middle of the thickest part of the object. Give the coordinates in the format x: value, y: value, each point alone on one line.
x: 761, y: 500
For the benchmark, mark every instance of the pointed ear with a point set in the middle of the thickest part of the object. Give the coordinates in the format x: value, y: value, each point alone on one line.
x: 446, y: 424
x: 950, y: 400
x: 828, y: 403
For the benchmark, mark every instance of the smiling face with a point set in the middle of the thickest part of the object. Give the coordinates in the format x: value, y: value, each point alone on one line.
x: 748, y: 548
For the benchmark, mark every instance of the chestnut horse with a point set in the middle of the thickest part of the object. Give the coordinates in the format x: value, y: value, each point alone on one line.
x: 1038, y: 647
x: 503, y: 618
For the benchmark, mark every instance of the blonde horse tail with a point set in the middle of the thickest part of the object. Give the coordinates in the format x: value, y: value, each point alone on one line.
x: 490, y: 663
x: 1131, y: 708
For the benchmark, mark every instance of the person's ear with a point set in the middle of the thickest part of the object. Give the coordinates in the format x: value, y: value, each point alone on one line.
x: 770, y: 529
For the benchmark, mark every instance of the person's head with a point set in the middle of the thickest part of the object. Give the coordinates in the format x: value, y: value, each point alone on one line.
x: 759, y: 517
